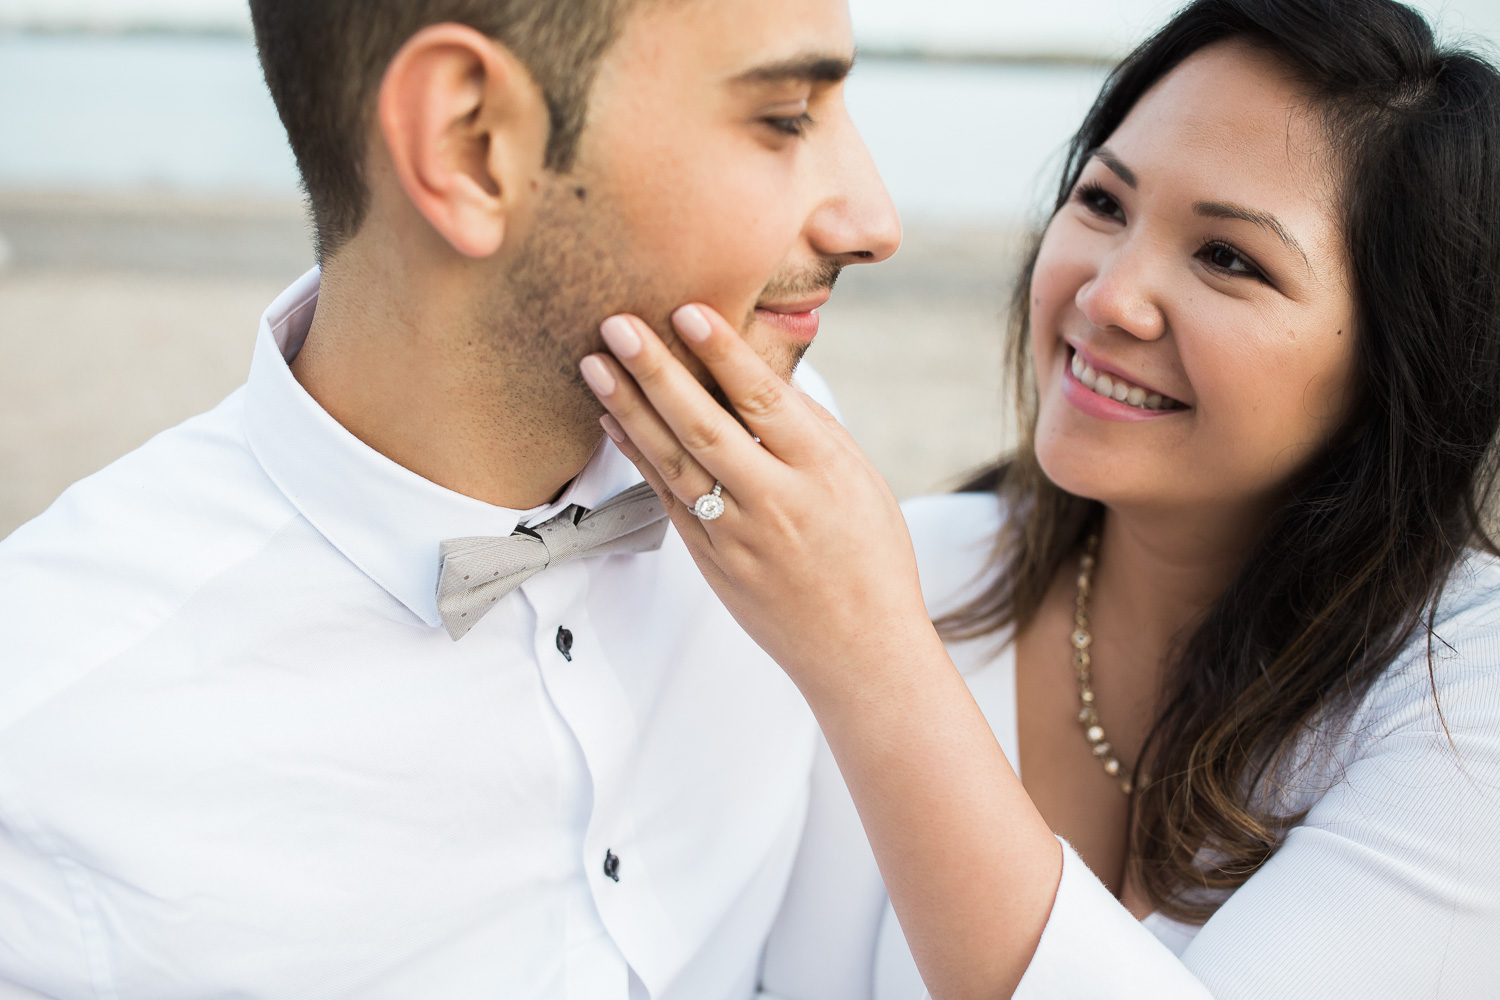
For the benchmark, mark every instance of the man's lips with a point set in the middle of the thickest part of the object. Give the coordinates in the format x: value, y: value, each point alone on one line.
x: 810, y: 304
x: 800, y: 318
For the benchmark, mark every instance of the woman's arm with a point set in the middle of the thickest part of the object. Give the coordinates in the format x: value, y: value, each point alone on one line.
x: 813, y: 558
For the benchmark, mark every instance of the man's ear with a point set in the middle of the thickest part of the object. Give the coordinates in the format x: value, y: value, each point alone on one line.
x: 466, y: 127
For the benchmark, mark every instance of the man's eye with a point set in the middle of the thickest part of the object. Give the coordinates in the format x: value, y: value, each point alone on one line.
x: 1100, y: 202
x: 795, y: 126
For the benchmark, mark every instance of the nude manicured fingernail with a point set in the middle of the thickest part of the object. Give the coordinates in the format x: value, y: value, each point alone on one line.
x: 692, y: 324
x: 621, y: 337
x: 612, y: 428
x: 597, y: 374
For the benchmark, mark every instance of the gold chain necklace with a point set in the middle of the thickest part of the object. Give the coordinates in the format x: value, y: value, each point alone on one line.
x: 1082, y: 640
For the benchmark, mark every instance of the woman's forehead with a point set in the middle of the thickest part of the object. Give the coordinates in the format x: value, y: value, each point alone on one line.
x: 1232, y: 125
x: 1232, y: 106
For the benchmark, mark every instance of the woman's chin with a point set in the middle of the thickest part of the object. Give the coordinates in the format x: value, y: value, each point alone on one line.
x: 1094, y: 470
x: 1066, y: 476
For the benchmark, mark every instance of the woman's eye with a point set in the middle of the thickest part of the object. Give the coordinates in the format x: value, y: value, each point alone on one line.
x: 1100, y: 202
x: 1223, y: 257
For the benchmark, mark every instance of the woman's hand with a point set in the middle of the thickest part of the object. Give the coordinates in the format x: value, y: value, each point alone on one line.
x: 813, y: 558
x: 811, y: 554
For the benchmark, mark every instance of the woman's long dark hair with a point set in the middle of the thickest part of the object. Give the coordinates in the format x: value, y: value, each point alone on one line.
x: 1349, y: 571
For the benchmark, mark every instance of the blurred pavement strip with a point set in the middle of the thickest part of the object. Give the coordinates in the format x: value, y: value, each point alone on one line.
x: 122, y: 316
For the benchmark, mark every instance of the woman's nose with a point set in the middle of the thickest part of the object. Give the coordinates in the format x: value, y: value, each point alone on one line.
x: 1121, y: 296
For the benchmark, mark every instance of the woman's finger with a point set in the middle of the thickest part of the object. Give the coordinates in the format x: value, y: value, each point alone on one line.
x: 658, y: 446
x: 822, y: 414
x: 699, y: 427
x: 772, y: 409
x: 687, y: 523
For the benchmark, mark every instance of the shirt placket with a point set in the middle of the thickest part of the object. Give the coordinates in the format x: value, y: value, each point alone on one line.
x: 588, y: 694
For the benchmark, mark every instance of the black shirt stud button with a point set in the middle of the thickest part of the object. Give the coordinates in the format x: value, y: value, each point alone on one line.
x: 565, y: 644
x: 612, y: 865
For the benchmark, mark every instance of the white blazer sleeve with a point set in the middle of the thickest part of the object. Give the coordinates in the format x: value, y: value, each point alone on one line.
x: 1390, y: 888
x: 1093, y: 947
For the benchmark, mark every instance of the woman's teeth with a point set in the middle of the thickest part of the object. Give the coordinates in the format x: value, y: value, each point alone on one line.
x: 1121, y: 391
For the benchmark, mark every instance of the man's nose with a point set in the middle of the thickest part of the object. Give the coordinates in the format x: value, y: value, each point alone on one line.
x: 857, y: 222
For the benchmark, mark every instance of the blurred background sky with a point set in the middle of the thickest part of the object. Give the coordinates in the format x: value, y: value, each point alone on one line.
x: 149, y: 210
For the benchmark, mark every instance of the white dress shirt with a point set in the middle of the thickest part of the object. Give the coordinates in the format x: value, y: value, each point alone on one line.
x: 1390, y: 888
x: 240, y: 758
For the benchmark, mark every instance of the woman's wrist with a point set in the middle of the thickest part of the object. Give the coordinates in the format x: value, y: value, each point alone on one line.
x: 869, y: 665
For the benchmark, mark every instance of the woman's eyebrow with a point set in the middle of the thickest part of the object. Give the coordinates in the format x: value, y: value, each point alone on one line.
x: 1265, y: 220
x: 1107, y: 157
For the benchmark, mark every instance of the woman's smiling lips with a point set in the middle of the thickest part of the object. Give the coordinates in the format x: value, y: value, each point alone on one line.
x: 800, y: 319
x: 1104, y: 393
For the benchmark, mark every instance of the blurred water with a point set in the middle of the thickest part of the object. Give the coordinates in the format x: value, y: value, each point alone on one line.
x: 969, y: 144
x: 175, y: 113
x: 185, y: 113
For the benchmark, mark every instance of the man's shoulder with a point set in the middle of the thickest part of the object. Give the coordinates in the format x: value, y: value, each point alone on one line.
x: 122, y: 550
x: 955, y: 537
x: 807, y: 379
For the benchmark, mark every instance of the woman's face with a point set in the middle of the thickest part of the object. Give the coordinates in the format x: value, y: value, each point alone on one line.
x: 1191, y: 320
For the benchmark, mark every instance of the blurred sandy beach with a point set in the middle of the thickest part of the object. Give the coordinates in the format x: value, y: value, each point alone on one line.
x: 122, y: 315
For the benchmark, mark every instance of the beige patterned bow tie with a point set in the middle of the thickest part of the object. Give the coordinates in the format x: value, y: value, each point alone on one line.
x: 477, y: 572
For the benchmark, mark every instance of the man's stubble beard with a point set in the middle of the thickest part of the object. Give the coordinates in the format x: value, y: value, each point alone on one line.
x: 566, y: 280
x: 573, y: 272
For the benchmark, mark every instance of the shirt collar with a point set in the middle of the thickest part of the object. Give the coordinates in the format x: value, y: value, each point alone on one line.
x: 383, y: 517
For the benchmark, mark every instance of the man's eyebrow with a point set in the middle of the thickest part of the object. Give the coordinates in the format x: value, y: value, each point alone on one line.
x: 1114, y: 163
x: 813, y: 67
x: 1265, y: 220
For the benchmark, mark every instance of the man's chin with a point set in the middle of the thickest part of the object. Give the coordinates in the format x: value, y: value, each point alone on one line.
x: 789, y: 356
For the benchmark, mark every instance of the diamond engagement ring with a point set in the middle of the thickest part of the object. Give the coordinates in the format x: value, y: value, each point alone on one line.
x: 711, y: 505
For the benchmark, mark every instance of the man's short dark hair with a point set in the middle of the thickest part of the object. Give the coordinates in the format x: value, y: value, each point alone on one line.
x: 324, y: 60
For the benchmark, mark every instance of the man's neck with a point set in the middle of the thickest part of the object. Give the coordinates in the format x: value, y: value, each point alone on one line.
x: 415, y: 376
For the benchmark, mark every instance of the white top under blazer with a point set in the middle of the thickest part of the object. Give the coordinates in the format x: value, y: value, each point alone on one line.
x: 1390, y: 888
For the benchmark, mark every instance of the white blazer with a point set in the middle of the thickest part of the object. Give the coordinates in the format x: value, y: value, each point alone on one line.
x: 1389, y: 888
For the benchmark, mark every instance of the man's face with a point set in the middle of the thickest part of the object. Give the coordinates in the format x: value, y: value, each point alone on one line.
x: 719, y: 165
